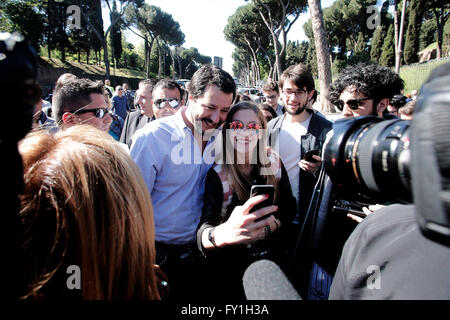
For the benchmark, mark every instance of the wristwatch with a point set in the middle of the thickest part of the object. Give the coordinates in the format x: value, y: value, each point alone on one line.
x: 211, y: 237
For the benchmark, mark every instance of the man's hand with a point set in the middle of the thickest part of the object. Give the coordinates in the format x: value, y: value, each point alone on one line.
x: 367, y: 210
x: 312, y: 167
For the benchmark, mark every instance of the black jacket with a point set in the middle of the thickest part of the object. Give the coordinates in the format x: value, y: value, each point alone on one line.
x: 227, y: 265
x: 135, y: 120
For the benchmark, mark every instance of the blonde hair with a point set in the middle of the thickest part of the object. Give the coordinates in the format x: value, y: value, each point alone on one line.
x: 85, y: 203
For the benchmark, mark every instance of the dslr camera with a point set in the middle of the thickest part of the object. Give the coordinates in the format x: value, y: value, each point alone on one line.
x: 368, y: 161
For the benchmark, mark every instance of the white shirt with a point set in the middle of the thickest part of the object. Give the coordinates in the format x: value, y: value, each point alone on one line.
x: 290, y: 151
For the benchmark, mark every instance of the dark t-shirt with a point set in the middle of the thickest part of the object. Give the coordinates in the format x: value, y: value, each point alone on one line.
x: 120, y: 106
x: 387, y: 257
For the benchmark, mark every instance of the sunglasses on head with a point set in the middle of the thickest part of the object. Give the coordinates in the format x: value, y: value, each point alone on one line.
x: 160, y: 103
x: 99, y: 112
x: 236, y: 125
x: 353, y: 104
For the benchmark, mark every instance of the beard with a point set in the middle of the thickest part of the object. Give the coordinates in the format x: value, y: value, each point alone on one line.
x: 297, y: 111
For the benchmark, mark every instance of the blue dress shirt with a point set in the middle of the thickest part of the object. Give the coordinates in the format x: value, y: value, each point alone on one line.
x: 174, y: 169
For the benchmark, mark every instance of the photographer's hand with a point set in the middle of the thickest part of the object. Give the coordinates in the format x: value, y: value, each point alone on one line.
x: 367, y: 210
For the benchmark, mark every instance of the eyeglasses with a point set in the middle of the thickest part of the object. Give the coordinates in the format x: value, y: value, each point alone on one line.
x: 297, y: 93
x: 265, y: 98
x: 160, y: 103
x: 353, y: 104
x: 99, y: 112
x: 237, y: 125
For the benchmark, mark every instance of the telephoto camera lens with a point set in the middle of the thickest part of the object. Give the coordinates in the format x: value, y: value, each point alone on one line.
x: 368, y: 158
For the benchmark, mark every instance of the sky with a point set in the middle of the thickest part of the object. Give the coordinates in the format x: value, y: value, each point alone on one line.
x: 203, y: 21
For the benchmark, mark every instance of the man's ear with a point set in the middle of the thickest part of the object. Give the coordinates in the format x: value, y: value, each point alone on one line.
x: 382, y: 105
x: 69, y: 119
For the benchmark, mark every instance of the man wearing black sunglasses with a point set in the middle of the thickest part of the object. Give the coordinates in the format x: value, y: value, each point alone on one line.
x: 167, y: 98
x: 81, y: 101
x: 361, y: 90
x: 365, y: 90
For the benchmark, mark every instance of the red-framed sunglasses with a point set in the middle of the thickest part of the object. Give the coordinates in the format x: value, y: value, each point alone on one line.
x: 236, y: 125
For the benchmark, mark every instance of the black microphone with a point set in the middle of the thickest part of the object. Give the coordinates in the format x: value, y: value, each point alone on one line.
x: 264, y: 280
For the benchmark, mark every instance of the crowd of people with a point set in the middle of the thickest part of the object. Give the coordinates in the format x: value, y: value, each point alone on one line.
x: 149, y: 197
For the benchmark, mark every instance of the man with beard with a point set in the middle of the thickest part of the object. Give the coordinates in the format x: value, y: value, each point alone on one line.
x: 365, y: 90
x: 360, y: 90
x: 295, y: 133
x: 174, y: 156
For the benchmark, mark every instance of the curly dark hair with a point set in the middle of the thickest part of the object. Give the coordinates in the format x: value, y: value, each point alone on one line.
x: 373, y: 80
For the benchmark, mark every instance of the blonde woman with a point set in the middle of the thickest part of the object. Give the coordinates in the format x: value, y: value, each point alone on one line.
x: 87, y: 219
x: 230, y: 234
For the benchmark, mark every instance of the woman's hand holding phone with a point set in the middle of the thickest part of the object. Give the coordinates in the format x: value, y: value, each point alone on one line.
x: 244, y: 224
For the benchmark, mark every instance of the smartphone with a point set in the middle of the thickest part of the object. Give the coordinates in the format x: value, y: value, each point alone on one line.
x: 355, y: 212
x: 259, y: 189
x: 309, y: 155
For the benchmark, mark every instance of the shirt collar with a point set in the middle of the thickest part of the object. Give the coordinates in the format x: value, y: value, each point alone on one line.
x: 179, y: 122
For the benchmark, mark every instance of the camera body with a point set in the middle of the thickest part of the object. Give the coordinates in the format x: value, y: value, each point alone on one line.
x: 367, y: 159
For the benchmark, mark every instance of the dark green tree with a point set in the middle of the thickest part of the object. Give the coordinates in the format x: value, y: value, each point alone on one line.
x: 24, y: 17
x: 102, y: 35
x: 441, y: 12
x: 152, y: 23
x: 56, y: 26
x: 115, y: 35
x: 388, y: 53
x: 246, y: 30
x: 173, y: 36
x: 377, y: 43
x: 190, y: 60
x: 296, y: 52
x: 417, y: 9
x: 95, y: 23
x: 428, y: 33
x: 361, y: 44
x: 279, y: 16
x: 345, y: 22
x: 311, y: 57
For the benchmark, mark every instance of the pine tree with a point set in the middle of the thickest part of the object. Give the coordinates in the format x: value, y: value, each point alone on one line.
x: 115, y: 36
x: 412, y: 41
x: 377, y: 43
x: 360, y: 44
x: 388, y: 55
